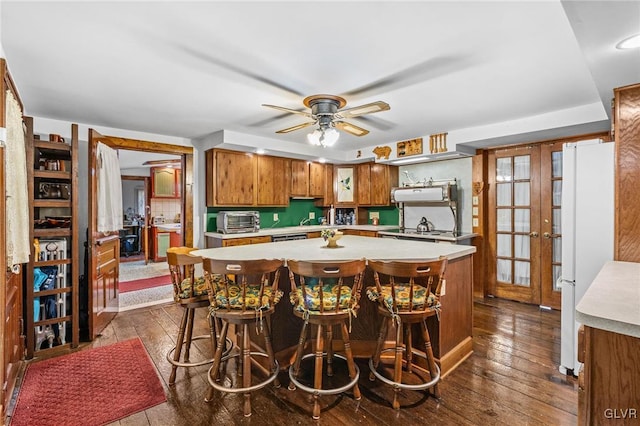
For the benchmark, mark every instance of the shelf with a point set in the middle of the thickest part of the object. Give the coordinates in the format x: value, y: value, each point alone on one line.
x: 51, y: 174
x: 42, y: 293
x: 52, y: 232
x: 52, y: 146
x: 43, y: 202
x: 52, y: 262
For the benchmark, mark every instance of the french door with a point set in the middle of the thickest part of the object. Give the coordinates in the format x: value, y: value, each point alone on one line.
x: 525, y: 186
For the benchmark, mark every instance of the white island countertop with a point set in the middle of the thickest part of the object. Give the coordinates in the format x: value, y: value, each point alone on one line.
x: 612, y: 302
x: 350, y: 247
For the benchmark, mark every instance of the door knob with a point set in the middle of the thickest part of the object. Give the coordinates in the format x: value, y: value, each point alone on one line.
x: 546, y: 235
x: 534, y: 234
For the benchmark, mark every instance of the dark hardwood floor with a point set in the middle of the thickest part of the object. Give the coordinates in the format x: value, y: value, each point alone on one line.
x: 512, y: 378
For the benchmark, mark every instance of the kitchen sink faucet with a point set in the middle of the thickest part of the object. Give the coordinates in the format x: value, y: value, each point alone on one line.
x: 305, y: 221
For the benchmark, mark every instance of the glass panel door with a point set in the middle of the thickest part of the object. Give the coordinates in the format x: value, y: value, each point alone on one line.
x: 551, y: 242
x: 514, y: 200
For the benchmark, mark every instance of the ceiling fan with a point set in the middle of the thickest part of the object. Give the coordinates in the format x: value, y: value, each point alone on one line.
x: 327, y: 113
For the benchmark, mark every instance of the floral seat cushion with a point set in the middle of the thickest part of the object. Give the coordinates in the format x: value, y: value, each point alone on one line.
x: 311, y: 298
x: 252, y: 296
x: 200, y: 289
x: 420, y: 298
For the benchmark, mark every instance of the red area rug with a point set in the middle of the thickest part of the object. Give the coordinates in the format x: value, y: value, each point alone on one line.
x: 126, y: 286
x: 90, y: 387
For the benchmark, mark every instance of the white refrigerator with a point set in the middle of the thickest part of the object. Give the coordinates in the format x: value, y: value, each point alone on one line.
x: 587, y: 216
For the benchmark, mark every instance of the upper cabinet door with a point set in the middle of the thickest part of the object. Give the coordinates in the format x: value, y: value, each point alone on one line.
x: 316, y: 179
x: 231, y: 178
x: 274, y: 180
x: 299, y: 178
x: 163, y: 183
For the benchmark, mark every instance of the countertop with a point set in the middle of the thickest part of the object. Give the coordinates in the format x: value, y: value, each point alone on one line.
x: 612, y: 302
x: 444, y: 236
x: 289, y: 230
x: 350, y: 247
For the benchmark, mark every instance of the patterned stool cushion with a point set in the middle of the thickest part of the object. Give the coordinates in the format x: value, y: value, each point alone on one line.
x: 252, y: 296
x: 311, y: 299
x: 420, y: 298
x: 200, y: 289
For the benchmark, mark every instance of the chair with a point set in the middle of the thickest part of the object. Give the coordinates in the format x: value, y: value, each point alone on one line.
x: 182, y: 267
x: 325, y: 294
x: 410, y: 296
x: 242, y: 293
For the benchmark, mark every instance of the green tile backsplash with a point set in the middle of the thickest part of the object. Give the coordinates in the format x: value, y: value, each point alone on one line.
x: 294, y: 213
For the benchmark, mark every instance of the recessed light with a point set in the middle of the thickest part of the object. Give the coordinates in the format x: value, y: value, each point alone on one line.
x: 632, y: 42
x: 322, y: 160
x: 260, y: 151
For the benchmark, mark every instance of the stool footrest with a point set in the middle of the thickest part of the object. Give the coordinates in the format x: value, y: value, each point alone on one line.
x: 332, y: 391
x: 260, y: 385
x: 421, y: 386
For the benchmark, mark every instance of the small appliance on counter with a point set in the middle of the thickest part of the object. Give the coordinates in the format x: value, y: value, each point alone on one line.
x: 236, y: 222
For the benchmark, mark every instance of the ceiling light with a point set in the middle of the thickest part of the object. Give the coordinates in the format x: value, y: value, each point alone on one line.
x: 323, y: 136
x: 632, y: 42
x: 322, y: 160
x: 260, y: 151
x: 410, y: 160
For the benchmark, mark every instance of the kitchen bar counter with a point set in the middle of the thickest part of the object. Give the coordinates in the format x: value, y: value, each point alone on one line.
x: 451, y: 336
x: 612, y: 301
x: 350, y: 247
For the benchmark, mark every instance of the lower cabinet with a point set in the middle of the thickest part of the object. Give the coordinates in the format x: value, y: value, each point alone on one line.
x: 360, y: 233
x: 161, y: 241
x: 609, y: 383
x: 218, y: 242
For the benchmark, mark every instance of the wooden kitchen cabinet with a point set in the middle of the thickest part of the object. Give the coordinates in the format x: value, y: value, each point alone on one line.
x: 374, y: 183
x: 307, y: 179
x: 609, y: 384
x: 165, y: 182
x: 229, y: 242
x: 242, y: 179
x: 230, y: 178
x: 274, y: 181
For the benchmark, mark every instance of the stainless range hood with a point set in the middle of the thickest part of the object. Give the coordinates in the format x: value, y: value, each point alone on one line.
x: 436, y: 194
x: 437, y: 201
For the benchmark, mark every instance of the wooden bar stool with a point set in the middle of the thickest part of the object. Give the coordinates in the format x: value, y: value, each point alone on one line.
x: 404, y: 301
x: 325, y: 294
x: 191, y: 293
x: 247, y: 300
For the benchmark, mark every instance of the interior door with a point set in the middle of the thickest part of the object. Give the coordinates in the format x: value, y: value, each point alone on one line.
x: 514, y: 223
x: 104, y: 253
x: 551, y: 242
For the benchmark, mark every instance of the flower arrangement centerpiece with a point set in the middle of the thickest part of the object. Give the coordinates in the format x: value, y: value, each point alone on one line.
x: 332, y: 236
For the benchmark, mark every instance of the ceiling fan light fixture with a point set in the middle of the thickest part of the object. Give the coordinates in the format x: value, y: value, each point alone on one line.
x: 632, y: 42
x: 324, y: 137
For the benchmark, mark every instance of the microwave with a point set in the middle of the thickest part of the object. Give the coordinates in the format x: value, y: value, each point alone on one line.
x: 237, y: 222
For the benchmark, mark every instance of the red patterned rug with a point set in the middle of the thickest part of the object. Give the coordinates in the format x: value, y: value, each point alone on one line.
x: 91, y: 387
x: 126, y: 286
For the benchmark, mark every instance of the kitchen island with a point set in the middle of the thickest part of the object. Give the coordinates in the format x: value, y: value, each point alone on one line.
x: 451, y: 336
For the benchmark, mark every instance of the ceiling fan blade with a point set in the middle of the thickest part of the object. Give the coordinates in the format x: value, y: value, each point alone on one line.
x: 290, y: 111
x: 363, y: 109
x: 298, y: 127
x: 351, y: 128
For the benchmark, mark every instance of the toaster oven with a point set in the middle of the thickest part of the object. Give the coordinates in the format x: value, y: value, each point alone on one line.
x: 235, y: 222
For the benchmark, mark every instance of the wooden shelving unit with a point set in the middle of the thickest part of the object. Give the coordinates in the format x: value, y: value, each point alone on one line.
x: 51, y: 277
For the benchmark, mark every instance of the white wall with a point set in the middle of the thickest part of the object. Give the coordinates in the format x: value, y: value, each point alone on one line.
x: 460, y: 169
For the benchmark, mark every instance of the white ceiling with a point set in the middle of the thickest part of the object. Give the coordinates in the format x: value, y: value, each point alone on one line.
x: 485, y: 72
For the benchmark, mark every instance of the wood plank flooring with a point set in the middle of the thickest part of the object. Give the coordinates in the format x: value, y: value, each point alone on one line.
x: 511, y: 378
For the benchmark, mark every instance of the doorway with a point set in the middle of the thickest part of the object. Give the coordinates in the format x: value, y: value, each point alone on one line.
x: 151, y: 195
x: 525, y: 186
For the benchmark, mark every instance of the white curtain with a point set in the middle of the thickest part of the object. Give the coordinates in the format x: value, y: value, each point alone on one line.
x: 17, y: 217
x: 109, y: 190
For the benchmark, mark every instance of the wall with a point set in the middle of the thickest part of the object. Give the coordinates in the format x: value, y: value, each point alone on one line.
x: 460, y: 169
x: 167, y: 207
